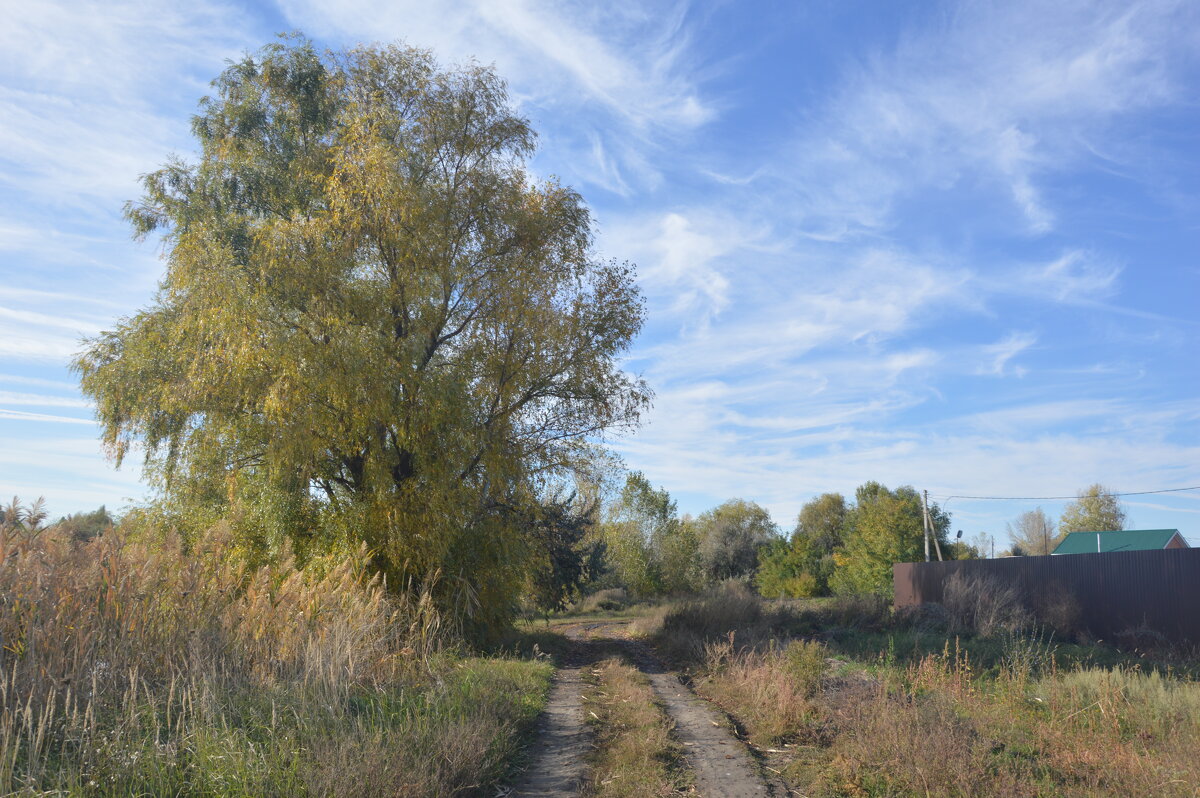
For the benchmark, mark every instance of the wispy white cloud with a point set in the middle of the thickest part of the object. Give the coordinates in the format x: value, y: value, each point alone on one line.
x: 622, y: 56
x: 1000, y: 353
x: 41, y: 400
x: 83, y: 123
x: 29, y: 318
x: 21, y: 415
x: 17, y: 346
x: 1035, y: 461
x: 616, y: 80
x: 867, y: 298
x: 1000, y: 92
x: 69, y: 471
x: 1076, y: 275
x: 20, y: 379
x: 683, y: 257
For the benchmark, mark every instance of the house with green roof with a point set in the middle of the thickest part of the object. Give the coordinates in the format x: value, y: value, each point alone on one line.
x: 1121, y: 540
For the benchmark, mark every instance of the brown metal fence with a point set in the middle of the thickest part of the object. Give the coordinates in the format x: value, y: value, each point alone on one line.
x: 1115, y: 592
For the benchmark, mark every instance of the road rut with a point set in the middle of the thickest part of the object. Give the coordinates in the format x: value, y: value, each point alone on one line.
x: 722, y: 765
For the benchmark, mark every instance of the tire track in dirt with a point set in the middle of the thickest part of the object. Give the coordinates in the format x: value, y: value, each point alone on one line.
x: 721, y: 763
x: 559, y: 763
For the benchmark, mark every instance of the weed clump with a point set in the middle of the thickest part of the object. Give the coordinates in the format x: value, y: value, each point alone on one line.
x: 982, y: 606
x: 687, y: 629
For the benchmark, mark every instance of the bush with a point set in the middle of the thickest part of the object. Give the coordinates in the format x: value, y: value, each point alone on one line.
x: 804, y: 662
x: 861, y: 611
x: 982, y: 605
x: 608, y: 600
x: 1058, y: 609
x: 688, y: 627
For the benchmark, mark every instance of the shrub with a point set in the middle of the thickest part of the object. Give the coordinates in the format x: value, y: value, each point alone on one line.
x: 688, y: 627
x: 608, y: 600
x: 982, y: 605
x: 861, y: 610
x: 924, y: 618
x: 1059, y: 609
x: 804, y: 663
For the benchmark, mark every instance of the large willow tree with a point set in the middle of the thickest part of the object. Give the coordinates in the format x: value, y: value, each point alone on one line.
x: 374, y: 326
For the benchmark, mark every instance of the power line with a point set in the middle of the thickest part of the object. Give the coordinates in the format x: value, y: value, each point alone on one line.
x: 1057, y: 498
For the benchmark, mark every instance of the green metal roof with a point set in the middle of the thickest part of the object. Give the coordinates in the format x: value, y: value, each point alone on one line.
x: 1126, y: 540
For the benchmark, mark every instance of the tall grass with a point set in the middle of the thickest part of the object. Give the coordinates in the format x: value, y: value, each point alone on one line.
x: 845, y: 719
x: 131, y: 666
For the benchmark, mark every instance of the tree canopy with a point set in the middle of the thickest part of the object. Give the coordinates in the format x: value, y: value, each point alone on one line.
x: 1033, y: 533
x: 731, y: 536
x: 802, y: 565
x: 885, y: 527
x: 1096, y: 510
x: 374, y: 325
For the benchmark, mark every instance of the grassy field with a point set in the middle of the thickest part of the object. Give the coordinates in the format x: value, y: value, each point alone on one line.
x: 846, y: 700
x: 144, y: 668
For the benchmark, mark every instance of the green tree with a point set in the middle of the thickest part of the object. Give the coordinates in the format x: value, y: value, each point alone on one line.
x: 820, y: 531
x: 783, y: 572
x: 803, y: 566
x: 1033, y: 533
x: 564, y: 558
x: 85, y: 526
x: 678, y: 547
x: 638, y: 522
x: 962, y: 550
x: 375, y: 325
x: 731, y: 536
x: 884, y: 528
x: 1096, y: 510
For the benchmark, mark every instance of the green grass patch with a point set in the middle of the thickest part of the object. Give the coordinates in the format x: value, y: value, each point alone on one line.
x: 452, y: 732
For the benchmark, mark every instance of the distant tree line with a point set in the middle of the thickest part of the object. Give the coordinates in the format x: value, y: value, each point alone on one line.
x: 639, y: 541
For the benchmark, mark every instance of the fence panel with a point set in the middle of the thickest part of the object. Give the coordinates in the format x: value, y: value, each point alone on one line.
x: 1115, y: 591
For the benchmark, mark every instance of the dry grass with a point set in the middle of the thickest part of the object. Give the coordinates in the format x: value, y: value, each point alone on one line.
x: 938, y: 725
x: 635, y: 755
x: 983, y: 606
x: 770, y: 692
x: 138, y: 667
x: 684, y: 631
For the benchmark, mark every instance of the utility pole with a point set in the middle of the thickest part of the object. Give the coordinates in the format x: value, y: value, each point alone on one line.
x: 925, y: 530
x: 929, y: 530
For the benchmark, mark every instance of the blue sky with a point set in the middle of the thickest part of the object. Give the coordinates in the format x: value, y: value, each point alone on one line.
x: 953, y: 245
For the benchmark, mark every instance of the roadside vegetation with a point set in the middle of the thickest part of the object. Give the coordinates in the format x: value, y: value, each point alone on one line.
x: 846, y: 699
x: 135, y: 665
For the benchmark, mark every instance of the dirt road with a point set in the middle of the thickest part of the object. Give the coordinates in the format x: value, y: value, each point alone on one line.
x: 722, y: 765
